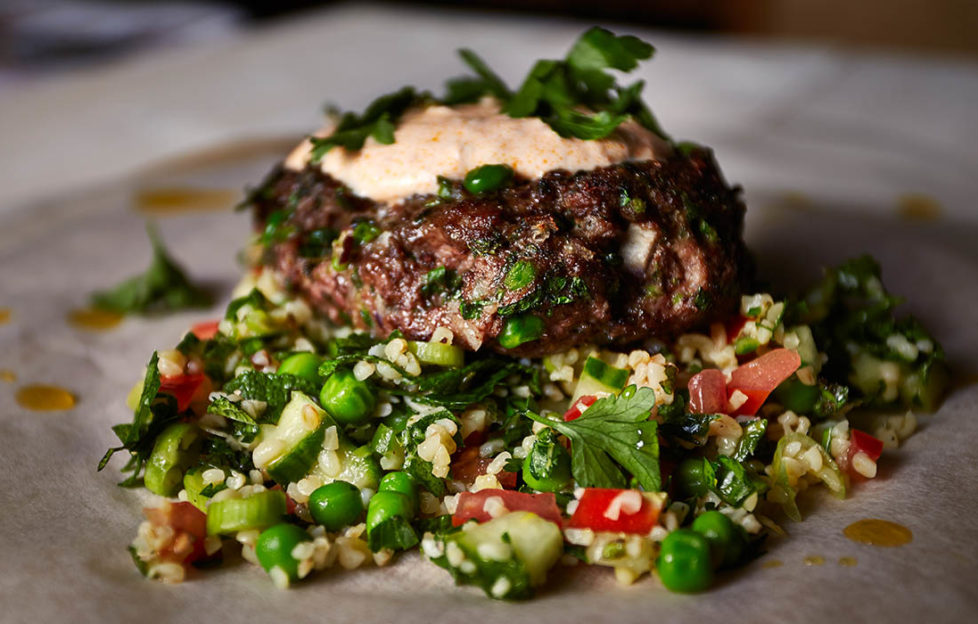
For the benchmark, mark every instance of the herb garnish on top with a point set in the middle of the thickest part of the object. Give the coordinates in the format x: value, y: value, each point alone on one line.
x: 578, y: 96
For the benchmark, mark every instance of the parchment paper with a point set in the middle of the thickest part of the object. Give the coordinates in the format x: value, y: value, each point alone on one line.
x: 64, y: 527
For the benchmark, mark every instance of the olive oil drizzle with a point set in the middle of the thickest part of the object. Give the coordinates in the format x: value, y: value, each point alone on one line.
x: 878, y: 532
x: 43, y: 398
x: 93, y: 319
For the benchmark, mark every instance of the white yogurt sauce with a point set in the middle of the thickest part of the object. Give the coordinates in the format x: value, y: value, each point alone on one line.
x: 443, y: 141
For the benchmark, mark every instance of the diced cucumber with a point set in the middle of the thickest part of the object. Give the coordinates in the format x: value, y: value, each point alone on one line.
x: 299, y: 433
x: 258, y: 511
x: 506, y: 556
x: 437, y: 353
x: 193, y: 484
x: 175, y: 449
x: 806, y: 349
x: 359, y: 466
x: 599, y: 378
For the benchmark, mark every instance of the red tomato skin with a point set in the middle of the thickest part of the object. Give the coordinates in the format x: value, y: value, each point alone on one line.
x: 759, y: 377
x: 181, y: 387
x: 594, y: 502
x: 467, y: 465
x: 708, y: 392
x: 575, y: 409
x: 205, y: 330
x: 861, y: 441
x: 471, y: 505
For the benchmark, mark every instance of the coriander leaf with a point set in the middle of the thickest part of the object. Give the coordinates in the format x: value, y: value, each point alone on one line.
x: 395, y: 533
x: 164, y: 287
x: 272, y: 388
x: 614, y: 431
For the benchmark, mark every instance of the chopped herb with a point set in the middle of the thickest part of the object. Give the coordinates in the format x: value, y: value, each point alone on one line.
x: 471, y: 309
x: 520, y: 275
x: 441, y: 280
x: 615, y: 433
x: 365, y: 231
x: 318, y: 243
x: 394, y: 533
x: 153, y: 413
x: 164, y: 287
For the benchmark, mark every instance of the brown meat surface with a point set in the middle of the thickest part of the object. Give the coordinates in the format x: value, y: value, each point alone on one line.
x: 609, y: 256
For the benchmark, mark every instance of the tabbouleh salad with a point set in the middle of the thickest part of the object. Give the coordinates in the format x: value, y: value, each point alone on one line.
x: 309, y: 446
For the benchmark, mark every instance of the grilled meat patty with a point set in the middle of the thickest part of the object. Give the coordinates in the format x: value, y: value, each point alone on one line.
x: 612, y: 255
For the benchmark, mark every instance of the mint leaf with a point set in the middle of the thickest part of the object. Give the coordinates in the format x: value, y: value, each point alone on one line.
x: 272, y: 388
x: 152, y: 414
x: 395, y: 533
x: 164, y: 287
x: 614, y: 434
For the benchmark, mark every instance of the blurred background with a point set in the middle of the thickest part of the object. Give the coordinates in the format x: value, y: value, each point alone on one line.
x: 41, y: 38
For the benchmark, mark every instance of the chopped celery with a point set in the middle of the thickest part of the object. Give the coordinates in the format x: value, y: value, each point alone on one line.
x: 260, y: 510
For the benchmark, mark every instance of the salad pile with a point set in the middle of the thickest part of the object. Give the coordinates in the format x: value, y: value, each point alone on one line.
x: 303, y: 446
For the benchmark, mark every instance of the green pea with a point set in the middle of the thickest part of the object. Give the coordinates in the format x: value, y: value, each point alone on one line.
x: 402, y: 483
x: 520, y: 329
x: 304, y: 365
x: 684, y: 562
x: 386, y: 505
x: 691, y: 478
x: 559, y: 474
x: 336, y: 505
x: 726, y: 539
x: 487, y: 178
x: 274, y: 548
x: 349, y: 400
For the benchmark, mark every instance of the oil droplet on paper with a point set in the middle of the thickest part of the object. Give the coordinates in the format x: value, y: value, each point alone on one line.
x: 8, y: 375
x: 878, y: 532
x: 814, y: 560
x: 164, y: 201
x: 772, y: 563
x: 4, y: 316
x: 847, y: 561
x: 93, y: 319
x: 918, y: 207
x: 45, y: 398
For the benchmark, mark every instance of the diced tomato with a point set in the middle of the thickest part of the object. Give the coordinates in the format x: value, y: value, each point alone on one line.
x: 861, y: 442
x: 579, y: 406
x: 759, y: 377
x: 468, y: 465
x: 617, y: 511
x: 708, y: 392
x: 189, y: 525
x: 205, y: 330
x: 471, y: 505
x: 181, y: 387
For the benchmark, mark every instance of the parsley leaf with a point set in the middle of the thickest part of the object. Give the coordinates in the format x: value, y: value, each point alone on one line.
x: 377, y: 121
x: 612, y: 434
x: 164, y: 287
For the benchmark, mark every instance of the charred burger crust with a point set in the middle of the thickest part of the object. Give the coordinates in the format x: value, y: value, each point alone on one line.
x: 612, y: 255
